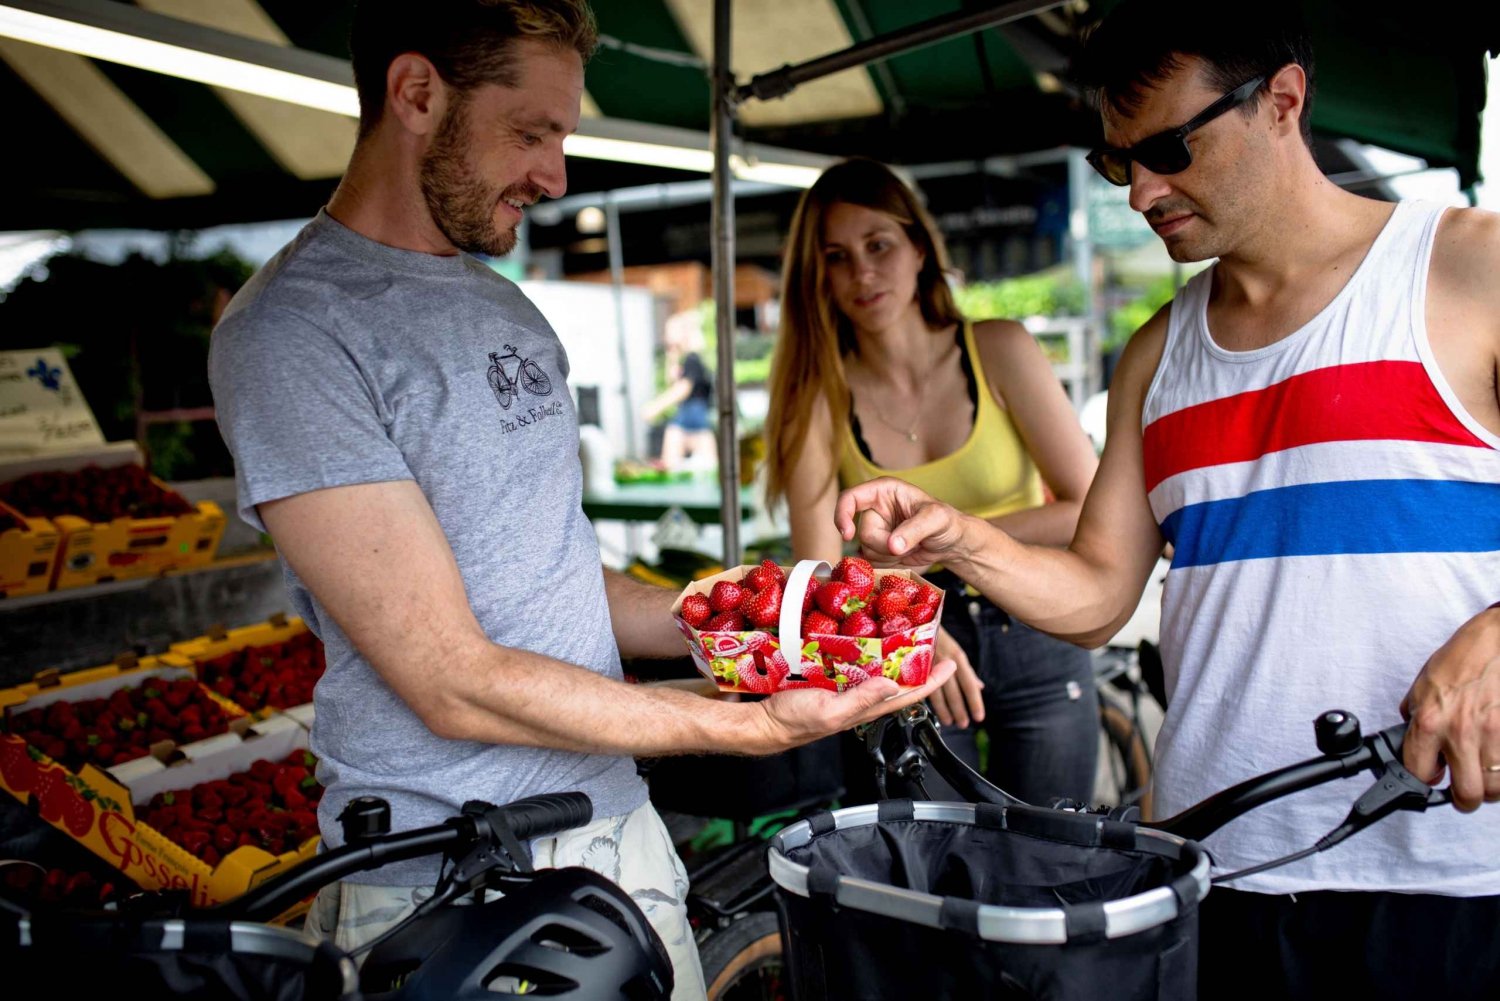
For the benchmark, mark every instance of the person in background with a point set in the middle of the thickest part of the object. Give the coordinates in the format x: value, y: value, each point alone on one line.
x: 1314, y: 424
x: 876, y: 373
x: 689, y: 431
x: 402, y: 427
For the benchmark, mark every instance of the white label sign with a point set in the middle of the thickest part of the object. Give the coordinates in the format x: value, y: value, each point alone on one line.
x: 41, y: 408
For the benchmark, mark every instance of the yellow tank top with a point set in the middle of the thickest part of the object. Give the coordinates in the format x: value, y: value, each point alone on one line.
x: 990, y: 474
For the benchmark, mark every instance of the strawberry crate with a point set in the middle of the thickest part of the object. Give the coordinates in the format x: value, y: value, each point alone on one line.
x: 107, y: 813
x: 116, y: 522
x: 268, y: 667
x: 848, y: 627
x: 28, y: 553
x: 124, y: 717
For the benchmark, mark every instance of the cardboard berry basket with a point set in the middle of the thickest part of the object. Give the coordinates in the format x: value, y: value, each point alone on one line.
x: 28, y: 553
x: 755, y: 660
x: 127, y: 548
x: 221, y: 646
x: 103, y: 813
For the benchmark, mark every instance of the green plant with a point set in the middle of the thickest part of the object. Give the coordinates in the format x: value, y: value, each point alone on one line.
x: 1016, y: 298
x: 1130, y: 317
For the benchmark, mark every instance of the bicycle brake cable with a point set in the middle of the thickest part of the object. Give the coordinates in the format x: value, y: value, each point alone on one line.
x: 1395, y: 789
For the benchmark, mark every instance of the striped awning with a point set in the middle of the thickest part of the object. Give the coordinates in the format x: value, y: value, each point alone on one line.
x: 95, y: 143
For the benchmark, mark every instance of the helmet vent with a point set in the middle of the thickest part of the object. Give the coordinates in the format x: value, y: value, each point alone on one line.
x: 516, y: 980
x: 570, y: 940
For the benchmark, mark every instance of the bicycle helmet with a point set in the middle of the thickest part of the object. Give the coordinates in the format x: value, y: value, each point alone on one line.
x: 567, y: 933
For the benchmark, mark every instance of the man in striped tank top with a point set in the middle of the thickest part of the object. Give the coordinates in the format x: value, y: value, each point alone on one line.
x: 1314, y: 425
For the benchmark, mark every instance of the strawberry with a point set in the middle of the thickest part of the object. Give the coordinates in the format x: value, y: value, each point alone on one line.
x: 901, y: 585
x: 51, y: 792
x: 895, y: 641
x: 764, y: 576
x: 809, y: 601
x: 860, y: 623
x: 916, y: 667
x: 896, y: 625
x: 725, y: 622
x: 842, y: 649
x: 857, y: 573
x: 78, y: 814
x: 696, y: 610
x: 837, y: 599
x: 749, y: 669
x: 890, y: 604
x: 764, y: 607
x: 922, y: 614
x: 725, y: 596
x: 16, y: 767
x: 816, y: 623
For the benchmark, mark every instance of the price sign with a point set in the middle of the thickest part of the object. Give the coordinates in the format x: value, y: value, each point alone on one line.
x: 41, y: 408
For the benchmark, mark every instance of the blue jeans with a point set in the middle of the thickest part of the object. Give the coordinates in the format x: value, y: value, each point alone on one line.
x: 1041, y: 713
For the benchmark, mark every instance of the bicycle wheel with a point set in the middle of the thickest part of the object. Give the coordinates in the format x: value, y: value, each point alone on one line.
x: 534, y: 379
x: 1129, y: 763
x: 500, y: 386
x: 742, y: 962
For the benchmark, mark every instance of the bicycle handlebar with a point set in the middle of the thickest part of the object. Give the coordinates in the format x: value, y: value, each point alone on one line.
x: 1346, y: 754
x: 480, y: 824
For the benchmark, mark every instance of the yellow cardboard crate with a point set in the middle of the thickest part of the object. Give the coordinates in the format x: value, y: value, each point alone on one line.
x: 128, y: 548
x: 98, y: 809
x: 28, y: 556
x: 217, y: 642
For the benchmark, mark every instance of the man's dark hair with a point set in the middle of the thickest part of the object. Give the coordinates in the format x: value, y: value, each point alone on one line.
x: 468, y: 41
x: 1141, y: 42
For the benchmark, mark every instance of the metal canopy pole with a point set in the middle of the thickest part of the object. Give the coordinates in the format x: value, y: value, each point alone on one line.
x: 721, y: 132
x: 779, y: 83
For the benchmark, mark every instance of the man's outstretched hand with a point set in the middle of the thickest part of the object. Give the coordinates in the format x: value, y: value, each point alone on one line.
x: 793, y: 718
x: 899, y: 525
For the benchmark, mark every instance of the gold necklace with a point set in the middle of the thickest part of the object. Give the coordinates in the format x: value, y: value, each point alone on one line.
x: 909, y: 433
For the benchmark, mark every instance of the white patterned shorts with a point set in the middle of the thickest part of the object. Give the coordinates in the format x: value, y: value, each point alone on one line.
x: 634, y: 851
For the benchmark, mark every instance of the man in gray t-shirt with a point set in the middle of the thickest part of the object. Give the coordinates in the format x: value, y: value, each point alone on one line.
x: 402, y: 427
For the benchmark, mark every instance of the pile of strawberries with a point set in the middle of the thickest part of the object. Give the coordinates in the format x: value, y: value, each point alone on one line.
x: 271, y: 805
x: 847, y: 604
x: 279, y: 675
x: 122, y: 727
x: 94, y: 494
x: 29, y: 886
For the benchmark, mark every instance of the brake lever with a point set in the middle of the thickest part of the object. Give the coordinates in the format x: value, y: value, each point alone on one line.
x: 1395, y: 788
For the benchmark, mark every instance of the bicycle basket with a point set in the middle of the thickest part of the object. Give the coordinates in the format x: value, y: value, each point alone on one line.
x: 89, y: 955
x: 903, y: 899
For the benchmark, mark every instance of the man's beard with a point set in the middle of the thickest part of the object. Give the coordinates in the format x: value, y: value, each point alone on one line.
x: 462, y: 206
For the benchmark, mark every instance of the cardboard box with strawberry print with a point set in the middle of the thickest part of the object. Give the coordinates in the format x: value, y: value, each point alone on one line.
x: 28, y: 553
x: 107, y: 815
x: 847, y: 628
x: 265, y: 668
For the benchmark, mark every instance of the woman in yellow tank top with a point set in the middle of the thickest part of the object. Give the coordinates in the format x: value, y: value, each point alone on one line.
x: 878, y: 374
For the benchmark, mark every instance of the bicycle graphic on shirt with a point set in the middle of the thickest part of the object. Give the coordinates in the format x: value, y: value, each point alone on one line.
x: 529, y: 376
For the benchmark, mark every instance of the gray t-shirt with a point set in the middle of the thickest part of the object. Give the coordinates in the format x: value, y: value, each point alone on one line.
x: 345, y: 361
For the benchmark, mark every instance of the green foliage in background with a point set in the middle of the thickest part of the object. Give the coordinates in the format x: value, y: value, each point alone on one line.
x: 1017, y: 298
x: 1129, y: 318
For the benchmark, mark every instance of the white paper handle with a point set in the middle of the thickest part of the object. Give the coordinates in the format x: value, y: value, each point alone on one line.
x: 790, y: 630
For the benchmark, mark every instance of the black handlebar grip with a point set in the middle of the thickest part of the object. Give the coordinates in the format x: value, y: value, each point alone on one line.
x: 545, y: 815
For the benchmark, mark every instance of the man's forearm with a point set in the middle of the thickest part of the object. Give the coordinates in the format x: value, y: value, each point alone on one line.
x: 506, y: 696
x: 641, y: 615
x: 1058, y: 591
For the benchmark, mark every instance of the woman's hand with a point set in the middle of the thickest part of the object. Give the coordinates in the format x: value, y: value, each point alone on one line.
x: 900, y: 525
x: 961, y: 699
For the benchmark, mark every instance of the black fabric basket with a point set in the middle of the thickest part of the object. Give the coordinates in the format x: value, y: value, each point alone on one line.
x: 949, y: 900
x: 80, y: 956
x: 740, y: 788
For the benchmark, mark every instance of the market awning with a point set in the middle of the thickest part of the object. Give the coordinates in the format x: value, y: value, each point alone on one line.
x: 101, y: 144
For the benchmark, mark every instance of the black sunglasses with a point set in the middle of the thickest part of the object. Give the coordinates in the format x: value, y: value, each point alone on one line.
x: 1167, y: 152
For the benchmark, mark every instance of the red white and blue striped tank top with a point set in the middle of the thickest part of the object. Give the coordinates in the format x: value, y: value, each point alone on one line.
x: 1335, y: 516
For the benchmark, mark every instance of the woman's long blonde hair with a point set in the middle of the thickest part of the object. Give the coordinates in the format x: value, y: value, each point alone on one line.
x: 815, y: 334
